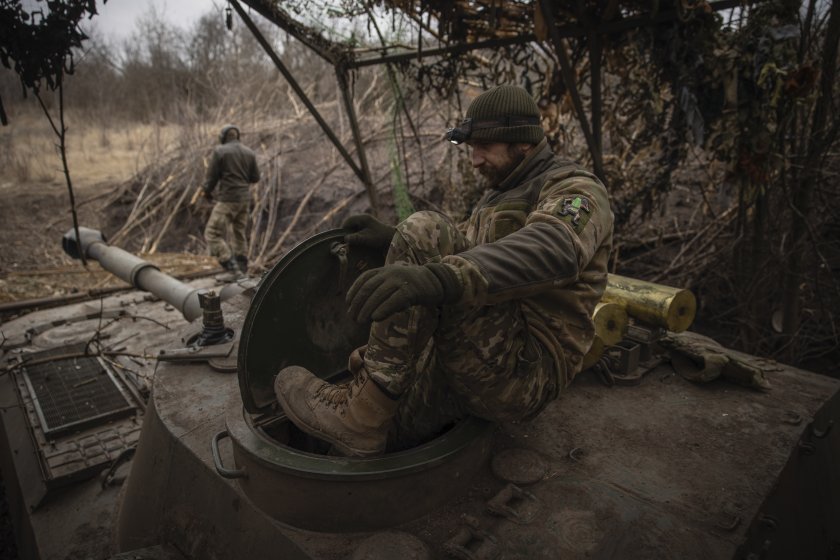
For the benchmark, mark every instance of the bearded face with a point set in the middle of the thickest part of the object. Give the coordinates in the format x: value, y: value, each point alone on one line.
x: 496, y: 160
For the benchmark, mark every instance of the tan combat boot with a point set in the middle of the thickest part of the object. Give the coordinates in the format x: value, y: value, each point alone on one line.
x: 354, y: 417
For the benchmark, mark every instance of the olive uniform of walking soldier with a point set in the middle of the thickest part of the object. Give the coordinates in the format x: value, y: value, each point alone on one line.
x: 233, y: 168
x: 491, y: 317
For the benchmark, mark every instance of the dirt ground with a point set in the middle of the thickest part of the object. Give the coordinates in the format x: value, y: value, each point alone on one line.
x: 35, y: 204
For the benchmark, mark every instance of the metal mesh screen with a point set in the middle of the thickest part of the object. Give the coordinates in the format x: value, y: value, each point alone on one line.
x: 74, y: 392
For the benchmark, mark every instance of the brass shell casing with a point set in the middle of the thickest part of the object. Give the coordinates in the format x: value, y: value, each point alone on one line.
x: 610, y: 322
x: 594, y: 354
x: 610, y: 325
x: 653, y: 304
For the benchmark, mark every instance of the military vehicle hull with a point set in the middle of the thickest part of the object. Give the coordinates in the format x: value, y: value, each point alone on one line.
x: 662, y: 468
x: 665, y: 469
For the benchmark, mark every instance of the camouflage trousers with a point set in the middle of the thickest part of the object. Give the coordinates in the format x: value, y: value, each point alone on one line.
x: 447, y: 362
x: 227, y: 218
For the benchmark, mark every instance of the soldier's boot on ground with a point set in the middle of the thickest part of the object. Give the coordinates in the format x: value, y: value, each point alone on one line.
x: 355, y: 418
x: 232, y: 271
x: 242, y: 263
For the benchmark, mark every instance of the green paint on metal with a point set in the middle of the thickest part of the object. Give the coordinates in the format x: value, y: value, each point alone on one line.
x: 310, y: 465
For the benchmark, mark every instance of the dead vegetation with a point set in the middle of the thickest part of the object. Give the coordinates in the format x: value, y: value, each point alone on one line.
x: 305, y: 187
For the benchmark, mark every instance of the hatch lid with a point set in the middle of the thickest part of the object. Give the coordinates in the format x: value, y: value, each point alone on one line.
x: 298, y: 316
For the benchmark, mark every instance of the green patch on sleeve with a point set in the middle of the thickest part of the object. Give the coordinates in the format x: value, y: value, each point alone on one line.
x: 575, y: 210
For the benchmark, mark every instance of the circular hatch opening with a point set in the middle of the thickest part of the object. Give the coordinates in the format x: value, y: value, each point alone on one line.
x: 275, y: 427
x: 298, y: 317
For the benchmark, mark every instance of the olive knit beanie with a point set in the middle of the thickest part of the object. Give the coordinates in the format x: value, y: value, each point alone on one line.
x: 506, y: 101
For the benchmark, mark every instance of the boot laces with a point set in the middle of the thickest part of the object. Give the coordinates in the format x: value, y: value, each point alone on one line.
x: 337, y: 395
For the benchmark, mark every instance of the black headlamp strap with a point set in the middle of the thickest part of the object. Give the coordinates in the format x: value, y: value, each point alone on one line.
x: 463, y: 132
x: 504, y: 122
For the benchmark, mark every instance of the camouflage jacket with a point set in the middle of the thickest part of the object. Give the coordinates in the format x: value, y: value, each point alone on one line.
x: 233, y: 166
x: 543, y: 237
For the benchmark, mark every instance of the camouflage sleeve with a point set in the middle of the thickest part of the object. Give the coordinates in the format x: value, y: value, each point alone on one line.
x: 213, y: 172
x: 571, y: 221
x: 462, y: 226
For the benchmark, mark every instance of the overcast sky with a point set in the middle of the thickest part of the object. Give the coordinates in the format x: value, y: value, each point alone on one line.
x: 117, y: 18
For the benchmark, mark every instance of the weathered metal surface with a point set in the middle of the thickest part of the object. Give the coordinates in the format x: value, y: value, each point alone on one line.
x: 324, y: 493
x: 298, y: 316
x: 392, y: 544
x: 519, y: 465
x: 151, y: 553
x: 58, y: 506
x: 801, y: 516
x: 69, y: 390
x: 79, y: 415
x: 663, y: 469
x: 174, y: 494
x: 132, y: 269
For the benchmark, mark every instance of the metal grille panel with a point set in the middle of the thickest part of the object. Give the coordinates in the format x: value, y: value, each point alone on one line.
x: 70, y: 393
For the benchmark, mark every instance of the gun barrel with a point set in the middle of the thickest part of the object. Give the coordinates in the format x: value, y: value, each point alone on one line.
x: 141, y: 274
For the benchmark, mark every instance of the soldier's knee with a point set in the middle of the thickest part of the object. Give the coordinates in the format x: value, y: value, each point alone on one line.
x: 428, y: 232
x: 212, y: 232
x: 421, y: 221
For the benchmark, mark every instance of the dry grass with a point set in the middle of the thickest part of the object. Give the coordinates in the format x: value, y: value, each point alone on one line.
x: 98, y: 152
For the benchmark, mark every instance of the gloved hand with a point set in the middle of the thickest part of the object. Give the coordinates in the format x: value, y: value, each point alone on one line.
x: 208, y: 196
x: 381, y: 292
x: 367, y: 231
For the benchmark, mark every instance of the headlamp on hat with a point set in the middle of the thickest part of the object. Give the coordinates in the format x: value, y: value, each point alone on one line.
x: 462, y: 132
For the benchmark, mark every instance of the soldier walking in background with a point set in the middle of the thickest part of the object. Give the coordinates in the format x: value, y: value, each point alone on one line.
x: 491, y: 317
x: 233, y: 168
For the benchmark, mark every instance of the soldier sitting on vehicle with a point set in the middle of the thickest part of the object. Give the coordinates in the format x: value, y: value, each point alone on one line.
x: 491, y: 317
x: 233, y: 167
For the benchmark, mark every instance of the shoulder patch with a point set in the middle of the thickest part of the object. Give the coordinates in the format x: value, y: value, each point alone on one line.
x: 575, y: 210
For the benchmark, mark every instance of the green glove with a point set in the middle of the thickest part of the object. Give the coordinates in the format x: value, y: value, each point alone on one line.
x: 381, y: 292
x: 367, y: 231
